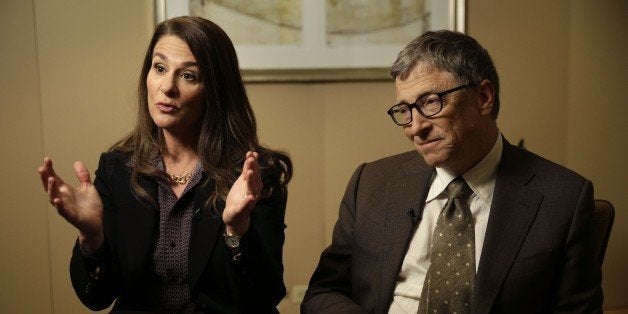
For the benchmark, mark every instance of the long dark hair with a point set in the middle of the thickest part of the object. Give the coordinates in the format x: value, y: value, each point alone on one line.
x: 228, y: 128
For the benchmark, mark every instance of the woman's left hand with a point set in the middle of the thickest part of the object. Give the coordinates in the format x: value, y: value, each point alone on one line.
x: 243, y: 196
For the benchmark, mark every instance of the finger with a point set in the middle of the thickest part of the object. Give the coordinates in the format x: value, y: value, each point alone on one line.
x: 256, y: 156
x: 251, y: 161
x: 249, y: 182
x: 52, y: 189
x: 82, y: 174
x: 61, y: 210
x: 256, y: 175
x: 44, y: 172
x: 58, y: 203
x: 248, y: 162
x: 254, y: 162
x: 49, y: 168
x: 254, y: 184
x: 43, y: 176
x: 51, y: 171
x: 250, y: 176
x: 55, y: 196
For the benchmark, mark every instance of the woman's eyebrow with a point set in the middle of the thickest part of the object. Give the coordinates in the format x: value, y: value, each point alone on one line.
x: 185, y: 64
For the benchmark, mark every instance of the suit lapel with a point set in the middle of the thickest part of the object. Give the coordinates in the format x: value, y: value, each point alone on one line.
x: 513, y: 210
x: 405, y: 197
x: 140, y: 221
x: 206, y: 231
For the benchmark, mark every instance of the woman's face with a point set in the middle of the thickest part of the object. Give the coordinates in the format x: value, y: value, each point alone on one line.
x: 176, y: 97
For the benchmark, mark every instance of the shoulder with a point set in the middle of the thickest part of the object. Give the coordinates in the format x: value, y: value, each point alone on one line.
x: 408, y: 156
x: 397, y: 168
x: 114, y: 161
x: 543, y: 169
x: 404, y: 163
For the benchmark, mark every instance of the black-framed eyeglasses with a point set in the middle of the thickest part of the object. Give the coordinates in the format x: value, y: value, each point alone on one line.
x: 427, y: 105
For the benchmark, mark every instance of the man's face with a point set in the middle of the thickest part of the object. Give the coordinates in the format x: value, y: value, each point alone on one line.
x: 446, y: 139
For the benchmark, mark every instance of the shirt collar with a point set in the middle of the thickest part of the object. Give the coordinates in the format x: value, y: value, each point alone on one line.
x: 480, y: 178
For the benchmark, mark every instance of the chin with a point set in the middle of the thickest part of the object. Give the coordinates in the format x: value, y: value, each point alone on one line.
x: 431, y: 162
x: 161, y: 125
x: 163, y: 122
x: 435, y: 161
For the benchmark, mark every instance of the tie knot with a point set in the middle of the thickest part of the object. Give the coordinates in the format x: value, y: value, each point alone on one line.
x: 458, y: 189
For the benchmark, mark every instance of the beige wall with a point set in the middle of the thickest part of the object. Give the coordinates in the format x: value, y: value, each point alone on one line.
x: 24, y: 247
x: 596, y: 127
x: 67, y: 81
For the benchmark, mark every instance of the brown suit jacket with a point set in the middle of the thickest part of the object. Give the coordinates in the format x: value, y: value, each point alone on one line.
x: 537, y: 255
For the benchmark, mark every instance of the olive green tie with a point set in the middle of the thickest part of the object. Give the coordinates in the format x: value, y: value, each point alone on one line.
x: 448, y: 285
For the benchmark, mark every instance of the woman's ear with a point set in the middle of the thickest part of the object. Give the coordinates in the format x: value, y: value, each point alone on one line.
x: 486, y: 96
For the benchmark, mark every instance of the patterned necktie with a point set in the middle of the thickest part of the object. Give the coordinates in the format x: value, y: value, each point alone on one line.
x: 448, y: 285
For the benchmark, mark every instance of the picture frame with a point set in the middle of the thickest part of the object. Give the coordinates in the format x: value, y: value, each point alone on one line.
x: 314, y: 51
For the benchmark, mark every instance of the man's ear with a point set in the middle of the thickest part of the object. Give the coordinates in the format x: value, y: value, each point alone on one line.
x: 486, y: 96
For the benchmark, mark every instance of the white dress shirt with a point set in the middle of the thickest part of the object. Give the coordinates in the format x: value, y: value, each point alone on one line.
x: 481, y: 179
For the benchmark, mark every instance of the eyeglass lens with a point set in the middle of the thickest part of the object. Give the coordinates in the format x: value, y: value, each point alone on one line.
x: 427, y: 105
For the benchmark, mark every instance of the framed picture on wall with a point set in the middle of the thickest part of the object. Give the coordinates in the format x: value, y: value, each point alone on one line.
x: 319, y: 40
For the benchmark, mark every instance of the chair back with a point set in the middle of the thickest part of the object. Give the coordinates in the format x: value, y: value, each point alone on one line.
x: 603, y: 217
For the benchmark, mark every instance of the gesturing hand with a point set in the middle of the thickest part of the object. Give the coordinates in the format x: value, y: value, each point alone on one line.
x: 243, y: 196
x: 80, y: 206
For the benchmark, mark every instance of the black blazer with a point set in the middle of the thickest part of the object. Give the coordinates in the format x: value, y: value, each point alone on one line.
x: 254, y: 284
x: 537, y: 257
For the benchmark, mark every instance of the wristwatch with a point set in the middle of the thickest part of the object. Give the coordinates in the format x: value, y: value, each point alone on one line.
x: 233, y: 243
x: 232, y: 240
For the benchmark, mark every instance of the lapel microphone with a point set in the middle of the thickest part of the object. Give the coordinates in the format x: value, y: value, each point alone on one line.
x: 197, y: 214
x: 412, y: 213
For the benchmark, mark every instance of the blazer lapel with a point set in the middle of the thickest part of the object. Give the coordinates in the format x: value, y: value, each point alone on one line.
x: 513, y: 210
x: 140, y: 221
x: 206, y: 232
x: 405, y: 197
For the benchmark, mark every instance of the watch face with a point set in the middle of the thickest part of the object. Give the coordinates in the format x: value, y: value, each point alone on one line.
x: 232, y: 241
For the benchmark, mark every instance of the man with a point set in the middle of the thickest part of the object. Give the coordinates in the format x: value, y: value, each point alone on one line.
x: 513, y: 231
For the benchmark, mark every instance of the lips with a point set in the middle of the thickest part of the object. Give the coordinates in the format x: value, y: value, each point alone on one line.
x: 428, y: 143
x: 166, y: 108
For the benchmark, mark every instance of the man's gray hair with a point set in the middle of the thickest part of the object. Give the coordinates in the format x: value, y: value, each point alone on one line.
x: 453, y: 52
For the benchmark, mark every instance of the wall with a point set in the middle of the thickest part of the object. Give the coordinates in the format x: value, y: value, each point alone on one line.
x: 68, y: 81
x: 528, y: 44
x: 24, y: 247
x: 596, y: 145
x: 68, y: 76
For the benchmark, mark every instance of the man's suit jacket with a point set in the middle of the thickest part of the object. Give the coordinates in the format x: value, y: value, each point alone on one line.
x: 218, y: 284
x: 537, y: 255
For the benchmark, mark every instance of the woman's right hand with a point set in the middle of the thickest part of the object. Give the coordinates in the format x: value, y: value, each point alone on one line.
x: 80, y: 206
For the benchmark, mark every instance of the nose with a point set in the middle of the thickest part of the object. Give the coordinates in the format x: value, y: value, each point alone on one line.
x: 420, y: 125
x: 169, y: 85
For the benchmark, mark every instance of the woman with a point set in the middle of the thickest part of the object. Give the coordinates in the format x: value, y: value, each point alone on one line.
x: 186, y: 213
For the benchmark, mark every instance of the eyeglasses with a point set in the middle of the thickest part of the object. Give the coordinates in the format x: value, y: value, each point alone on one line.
x: 427, y: 105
